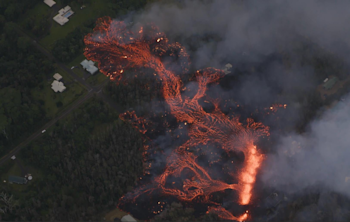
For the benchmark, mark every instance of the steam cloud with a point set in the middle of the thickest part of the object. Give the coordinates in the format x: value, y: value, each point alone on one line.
x: 250, y: 30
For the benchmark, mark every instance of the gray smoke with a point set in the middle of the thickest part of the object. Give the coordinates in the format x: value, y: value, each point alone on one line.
x: 248, y: 31
x: 319, y: 157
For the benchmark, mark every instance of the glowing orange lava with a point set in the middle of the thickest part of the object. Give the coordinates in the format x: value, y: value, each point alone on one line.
x: 116, y: 49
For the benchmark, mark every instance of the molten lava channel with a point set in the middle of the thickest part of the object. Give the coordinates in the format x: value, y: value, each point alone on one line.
x: 116, y: 49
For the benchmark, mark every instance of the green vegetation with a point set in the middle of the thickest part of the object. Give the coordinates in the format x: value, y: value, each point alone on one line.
x: 76, y: 61
x: 136, y: 94
x: 22, y: 66
x: 11, y: 9
x: 12, y: 167
x: 79, y: 71
x: 44, y: 93
x: 91, y: 12
x: 37, y: 20
x: 96, y: 79
x: 86, y: 171
x: 71, y: 46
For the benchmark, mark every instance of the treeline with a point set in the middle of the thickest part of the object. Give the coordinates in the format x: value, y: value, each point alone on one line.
x: 88, y: 162
x: 137, y: 94
x: 71, y: 46
x: 11, y: 10
x: 38, y: 26
x: 22, y: 69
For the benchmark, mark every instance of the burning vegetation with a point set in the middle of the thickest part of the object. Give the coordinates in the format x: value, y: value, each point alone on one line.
x: 210, y: 135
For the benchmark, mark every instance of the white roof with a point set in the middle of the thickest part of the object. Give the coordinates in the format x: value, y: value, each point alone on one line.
x: 50, y: 3
x: 13, y: 157
x: 63, y: 14
x: 89, y: 66
x: 30, y: 177
x: 57, y: 86
x: 60, y: 19
x: 64, y: 10
x: 57, y: 76
x: 128, y: 218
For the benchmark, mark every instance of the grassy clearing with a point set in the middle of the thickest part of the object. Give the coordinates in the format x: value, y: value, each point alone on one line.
x: 76, y: 61
x: 96, y: 79
x: 79, y: 72
x: 77, y: 19
x: 73, y: 91
x: 10, y: 167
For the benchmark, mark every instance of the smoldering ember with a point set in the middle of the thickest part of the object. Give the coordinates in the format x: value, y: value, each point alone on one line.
x: 178, y: 110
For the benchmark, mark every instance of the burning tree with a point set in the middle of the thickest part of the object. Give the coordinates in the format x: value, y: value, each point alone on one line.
x: 116, y: 48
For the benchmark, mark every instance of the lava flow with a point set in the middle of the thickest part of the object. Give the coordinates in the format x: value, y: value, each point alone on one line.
x: 116, y: 49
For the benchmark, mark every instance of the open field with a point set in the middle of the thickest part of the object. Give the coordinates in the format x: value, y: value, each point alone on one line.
x: 11, y: 167
x: 96, y: 79
x: 79, y: 17
x: 76, y: 61
x: 73, y: 91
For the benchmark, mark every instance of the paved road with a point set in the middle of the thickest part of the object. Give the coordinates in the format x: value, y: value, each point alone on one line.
x: 97, y: 90
x: 49, y: 55
x: 46, y: 126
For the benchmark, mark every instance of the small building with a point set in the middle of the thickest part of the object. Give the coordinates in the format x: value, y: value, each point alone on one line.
x: 89, y: 66
x: 50, y: 3
x: 330, y: 83
x: 227, y: 68
x: 13, y: 157
x: 57, y: 76
x: 128, y: 218
x: 17, y: 180
x: 63, y: 15
x: 29, y: 177
x: 60, y: 19
x: 57, y: 86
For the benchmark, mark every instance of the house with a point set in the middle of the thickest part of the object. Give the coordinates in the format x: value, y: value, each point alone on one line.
x: 128, y: 218
x: 329, y: 83
x: 50, y: 3
x: 89, y: 66
x: 57, y: 86
x: 57, y: 76
x: 17, y: 180
x: 63, y: 15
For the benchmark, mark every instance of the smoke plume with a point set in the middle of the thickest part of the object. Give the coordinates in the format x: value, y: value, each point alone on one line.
x: 246, y: 34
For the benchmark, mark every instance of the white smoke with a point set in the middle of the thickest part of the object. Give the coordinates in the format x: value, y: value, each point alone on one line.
x: 319, y: 157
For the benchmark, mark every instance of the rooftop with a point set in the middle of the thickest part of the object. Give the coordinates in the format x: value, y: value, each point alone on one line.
x: 57, y: 76
x: 50, y: 3
x: 57, y: 86
x: 63, y: 15
x: 60, y: 19
x: 89, y: 66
